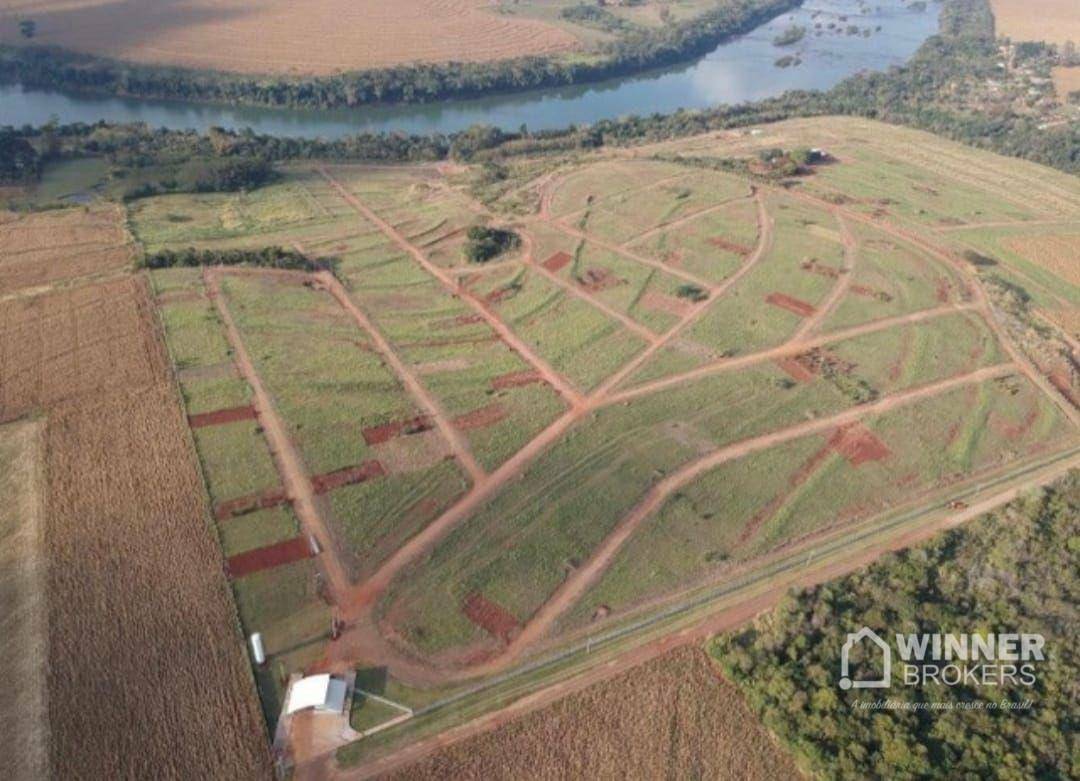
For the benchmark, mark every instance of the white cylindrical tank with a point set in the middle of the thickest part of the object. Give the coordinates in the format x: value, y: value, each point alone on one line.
x: 257, y: 651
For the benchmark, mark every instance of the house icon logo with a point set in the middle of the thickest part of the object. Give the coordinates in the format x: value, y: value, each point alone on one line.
x: 886, y: 668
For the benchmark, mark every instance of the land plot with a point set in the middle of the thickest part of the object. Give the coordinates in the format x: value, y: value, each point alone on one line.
x: 41, y: 248
x: 712, y: 246
x: 594, y: 183
x: 743, y: 320
x: 235, y: 459
x: 523, y: 543
x: 625, y: 285
x: 893, y: 278
x: 257, y: 530
x: 623, y: 216
x: 577, y: 339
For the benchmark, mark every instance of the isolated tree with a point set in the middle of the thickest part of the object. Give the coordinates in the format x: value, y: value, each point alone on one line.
x: 27, y: 28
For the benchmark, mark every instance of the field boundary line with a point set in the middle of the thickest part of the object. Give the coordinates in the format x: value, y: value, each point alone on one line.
x: 840, y: 289
x: 554, y: 378
x: 685, y: 218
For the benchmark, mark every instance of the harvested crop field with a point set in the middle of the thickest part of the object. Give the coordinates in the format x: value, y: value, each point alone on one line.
x: 45, y: 247
x: 145, y: 662
x: 1066, y: 81
x: 673, y: 717
x: 282, y: 37
x: 1053, y: 21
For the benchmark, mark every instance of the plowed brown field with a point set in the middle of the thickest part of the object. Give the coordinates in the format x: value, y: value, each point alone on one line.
x: 673, y: 717
x: 44, y: 247
x: 1054, y: 21
x: 146, y: 672
x: 282, y: 36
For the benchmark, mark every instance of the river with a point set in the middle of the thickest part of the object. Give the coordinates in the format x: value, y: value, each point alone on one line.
x: 740, y: 70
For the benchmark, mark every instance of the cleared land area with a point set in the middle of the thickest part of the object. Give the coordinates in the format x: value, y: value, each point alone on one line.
x: 1053, y: 21
x: 281, y: 37
x: 673, y: 717
x: 23, y: 625
x: 684, y: 373
x: 144, y: 659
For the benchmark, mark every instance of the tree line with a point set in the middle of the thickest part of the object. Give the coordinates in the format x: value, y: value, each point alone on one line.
x: 265, y: 257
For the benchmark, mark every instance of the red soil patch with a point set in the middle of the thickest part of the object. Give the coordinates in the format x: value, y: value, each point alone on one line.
x: 661, y: 302
x: 793, y: 305
x: 374, y: 435
x: 944, y: 290
x: 266, y: 558
x: 673, y: 257
x: 557, y: 262
x: 221, y: 416
x: 272, y: 497
x: 488, y: 415
x: 516, y: 379
x: 721, y: 243
x: 814, y: 267
x: 454, y: 322
x: 500, y: 294
x: 489, y: 616
x: 1015, y: 431
x: 794, y: 369
x: 858, y: 445
x: 347, y: 476
x: 1061, y: 380
x: 869, y: 292
x: 596, y: 279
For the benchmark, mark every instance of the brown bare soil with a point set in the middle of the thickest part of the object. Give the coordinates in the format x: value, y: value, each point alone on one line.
x: 493, y: 618
x: 485, y: 416
x: 595, y: 280
x: 221, y: 416
x: 516, y: 379
x: 557, y: 262
x: 1054, y: 21
x: 1056, y: 254
x: 271, y: 497
x: 794, y: 369
x: 672, y: 717
x: 858, y: 445
x: 662, y: 302
x: 347, y: 476
x: 739, y: 249
x: 374, y: 435
x: 146, y: 671
x: 46, y: 247
x: 280, y: 36
x: 276, y: 555
x: 793, y: 305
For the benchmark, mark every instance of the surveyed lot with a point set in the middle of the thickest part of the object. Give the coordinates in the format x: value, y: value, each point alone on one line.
x: 679, y: 375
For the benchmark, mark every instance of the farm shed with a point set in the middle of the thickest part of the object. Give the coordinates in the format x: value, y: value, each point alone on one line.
x: 321, y: 693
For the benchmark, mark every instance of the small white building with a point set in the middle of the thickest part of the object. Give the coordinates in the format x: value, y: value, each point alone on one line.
x: 321, y: 693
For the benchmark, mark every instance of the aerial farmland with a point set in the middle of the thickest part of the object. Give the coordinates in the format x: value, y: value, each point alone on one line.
x: 685, y: 372
x: 693, y: 374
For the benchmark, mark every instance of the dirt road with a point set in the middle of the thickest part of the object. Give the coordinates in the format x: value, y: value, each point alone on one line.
x: 843, y: 282
x: 459, y: 445
x: 294, y: 476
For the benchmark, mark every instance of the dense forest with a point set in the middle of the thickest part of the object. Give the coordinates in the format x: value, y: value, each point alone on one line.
x: 1015, y: 570
x: 635, y: 49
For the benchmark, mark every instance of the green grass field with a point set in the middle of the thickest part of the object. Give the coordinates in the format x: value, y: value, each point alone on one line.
x: 848, y: 250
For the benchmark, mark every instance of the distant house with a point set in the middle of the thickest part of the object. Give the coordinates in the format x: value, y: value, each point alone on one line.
x: 320, y: 693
